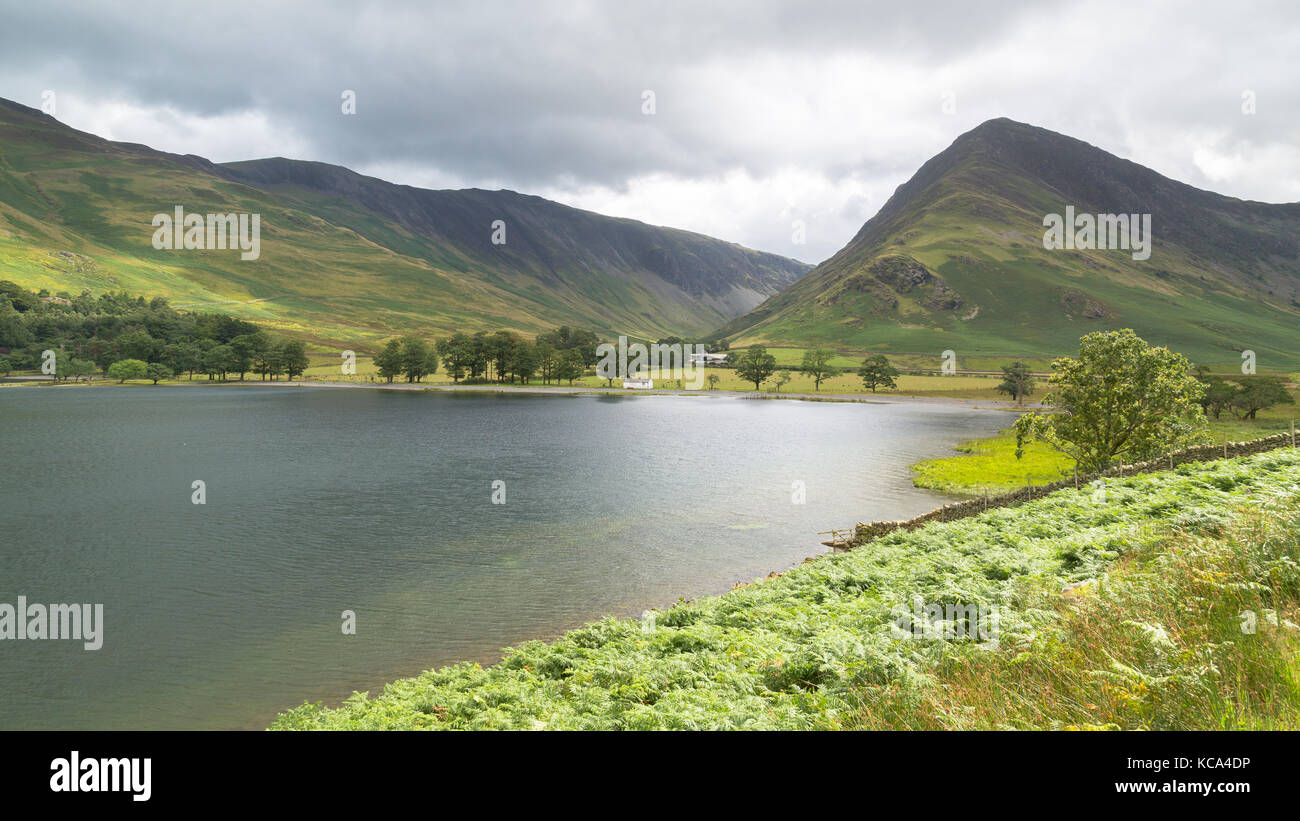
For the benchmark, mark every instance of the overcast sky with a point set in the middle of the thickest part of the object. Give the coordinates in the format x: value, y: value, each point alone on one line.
x: 764, y: 112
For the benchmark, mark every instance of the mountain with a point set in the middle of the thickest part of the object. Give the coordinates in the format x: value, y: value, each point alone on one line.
x: 956, y: 260
x: 350, y: 259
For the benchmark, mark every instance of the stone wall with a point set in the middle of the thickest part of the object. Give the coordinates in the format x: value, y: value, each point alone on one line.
x: 866, y: 531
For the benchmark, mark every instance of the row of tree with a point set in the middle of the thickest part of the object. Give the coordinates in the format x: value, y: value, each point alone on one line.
x: 89, y: 334
x: 562, y: 354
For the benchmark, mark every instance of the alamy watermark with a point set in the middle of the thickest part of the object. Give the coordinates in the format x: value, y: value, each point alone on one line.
x: 192, y: 232
x: 629, y: 361
x: 946, y: 622
x: 75, y: 622
x: 1124, y: 232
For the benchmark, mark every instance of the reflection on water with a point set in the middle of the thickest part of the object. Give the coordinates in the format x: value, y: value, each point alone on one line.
x: 380, y: 502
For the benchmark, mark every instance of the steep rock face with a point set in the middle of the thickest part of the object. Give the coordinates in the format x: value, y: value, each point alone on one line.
x: 956, y: 259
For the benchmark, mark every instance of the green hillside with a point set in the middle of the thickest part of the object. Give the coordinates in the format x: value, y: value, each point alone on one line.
x: 347, y: 259
x: 955, y: 260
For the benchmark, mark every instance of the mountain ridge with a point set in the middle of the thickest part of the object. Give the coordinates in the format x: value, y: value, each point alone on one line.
x: 923, y: 273
x: 351, y: 258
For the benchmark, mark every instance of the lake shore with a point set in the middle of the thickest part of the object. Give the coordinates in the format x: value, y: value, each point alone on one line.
x: 584, y: 390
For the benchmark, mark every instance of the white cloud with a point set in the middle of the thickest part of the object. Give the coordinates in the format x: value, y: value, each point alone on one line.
x: 767, y: 112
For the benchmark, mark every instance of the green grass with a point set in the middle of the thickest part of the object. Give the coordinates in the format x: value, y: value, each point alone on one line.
x: 990, y: 465
x: 814, y: 647
x: 1156, y: 644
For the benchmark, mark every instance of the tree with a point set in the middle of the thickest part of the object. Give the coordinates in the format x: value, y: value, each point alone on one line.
x: 817, y: 364
x: 501, y: 347
x: 293, y: 358
x: 388, y: 362
x: 755, y: 365
x: 548, y: 361
x: 1219, y: 395
x: 1258, y: 393
x: 1121, y: 399
x: 1017, y: 381
x: 157, y: 371
x: 876, y: 372
x: 6, y: 365
x: 458, y: 355
x: 524, y: 363
x: 69, y: 367
x: 713, y: 380
x: 781, y: 378
x: 137, y: 345
x: 571, y: 366
x: 124, y: 369
x: 219, y: 359
x: 415, y: 357
x: 248, y: 349
x: 183, y: 356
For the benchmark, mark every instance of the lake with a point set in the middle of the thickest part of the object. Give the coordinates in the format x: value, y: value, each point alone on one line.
x: 380, y: 502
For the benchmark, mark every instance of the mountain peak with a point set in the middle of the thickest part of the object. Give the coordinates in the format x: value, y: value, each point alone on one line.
x: 956, y: 258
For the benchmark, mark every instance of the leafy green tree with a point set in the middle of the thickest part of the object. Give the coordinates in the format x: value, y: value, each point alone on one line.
x: 6, y: 365
x: 1017, y: 381
x: 124, y: 369
x: 157, y: 371
x: 548, y: 361
x: 524, y: 363
x: 571, y: 366
x: 182, y: 357
x: 248, y: 349
x: 1121, y: 399
x: 138, y: 345
x: 876, y: 372
x: 415, y: 358
x: 1258, y: 393
x: 1219, y: 395
x: 501, y: 347
x: 70, y: 367
x: 782, y: 378
x: 817, y: 364
x: 459, y: 353
x: 388, y: 362
x: 713, y: 380
x: 272, y: 362
x: 13, y: 330
x: 219, y: 359
x: 293, y: 358
x: 755, y: 365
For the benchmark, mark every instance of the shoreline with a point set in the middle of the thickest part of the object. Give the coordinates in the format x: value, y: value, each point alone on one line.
x: 865, y: 399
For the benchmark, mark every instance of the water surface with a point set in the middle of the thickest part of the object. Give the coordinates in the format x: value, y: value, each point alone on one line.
x: 380, y: 502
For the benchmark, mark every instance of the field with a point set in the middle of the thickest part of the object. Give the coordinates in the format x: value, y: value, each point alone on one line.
x: 819, y: 647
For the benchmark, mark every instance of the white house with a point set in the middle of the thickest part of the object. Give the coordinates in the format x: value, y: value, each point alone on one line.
x: 708, y: 359
x: 638, y: 382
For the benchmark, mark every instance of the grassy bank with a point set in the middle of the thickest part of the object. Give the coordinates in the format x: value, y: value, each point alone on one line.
x: 815, y: 647
x: 1196, y: 631
x: 989, y: 466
